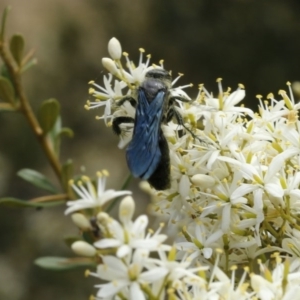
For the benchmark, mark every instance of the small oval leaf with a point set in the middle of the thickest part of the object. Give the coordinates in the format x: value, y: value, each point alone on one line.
x: 29, y: 65
x: 48, y: 113
x: 3, y: 23
x: 37, y: 179
x: 17, y: 48
x: 18, y: 203
x: 6, y: 90
x: 63, y: 263
x: 65, y: 131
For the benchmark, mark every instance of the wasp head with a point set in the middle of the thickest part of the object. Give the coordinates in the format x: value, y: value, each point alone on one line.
x: 159, y: 75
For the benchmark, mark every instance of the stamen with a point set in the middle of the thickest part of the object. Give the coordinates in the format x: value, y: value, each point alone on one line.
x: 177, y: 78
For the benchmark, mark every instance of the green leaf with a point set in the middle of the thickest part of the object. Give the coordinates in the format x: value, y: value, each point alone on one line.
x: 17, y: 48
x: 29, y: 65
x: 6, y: 90
x: 48, y: 113
x: 65, y: 131
x: 3, y: 23
x: 18, y: 203
x: 67, y: 173
x: 63, y: 263
x: 37, y: 179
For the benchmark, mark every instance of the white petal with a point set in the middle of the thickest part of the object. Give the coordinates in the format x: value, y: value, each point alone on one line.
x: 274, y: 190
x: 207, y: 252
x: 226, y: 217
x: 123, y: 251
x: 107, y: 243
x: 235, y: 97
x: 109, y: 289
x: 154, y: 274
x: 184, y: 186
x: 136, y: 292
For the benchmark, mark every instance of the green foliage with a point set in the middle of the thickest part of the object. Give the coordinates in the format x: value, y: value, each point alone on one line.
x: 6, y: 90
x: 17, y: 44
x: 37, y: 179
x: 3, y: 23
x: 18, y: 203
x: 48, y: 114
x: 67, y: 173
x: 63, y: 264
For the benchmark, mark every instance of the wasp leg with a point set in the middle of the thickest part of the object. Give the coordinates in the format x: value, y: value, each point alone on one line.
x: 174, y: 112
x: 127, y: 98
x: 160, y: 179
x: 119, y: 120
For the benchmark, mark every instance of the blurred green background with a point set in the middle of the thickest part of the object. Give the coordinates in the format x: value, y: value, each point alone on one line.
x: 251, y: 42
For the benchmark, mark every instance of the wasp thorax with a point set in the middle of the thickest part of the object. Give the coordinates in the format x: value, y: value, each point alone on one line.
x: 156, y: 80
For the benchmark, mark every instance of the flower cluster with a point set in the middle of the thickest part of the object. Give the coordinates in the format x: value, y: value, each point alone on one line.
x: 134, y: 262
x: 234, y: 197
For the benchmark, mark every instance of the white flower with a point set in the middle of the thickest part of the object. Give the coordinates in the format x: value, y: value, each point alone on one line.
x: 90, y: 197
x: 203, y: 240
x: 127, y: 276
x: 105, y: 96
x: 129, y: 235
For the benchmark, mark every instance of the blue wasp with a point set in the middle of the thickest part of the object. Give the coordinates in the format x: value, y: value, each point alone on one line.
x: 148, y: 154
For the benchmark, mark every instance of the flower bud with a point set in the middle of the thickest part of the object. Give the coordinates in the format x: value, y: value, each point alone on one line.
x: 103, y: 218
x: 114, y: 48
x: 126, y: 209
x: 203, y: 180
x: 110, y: 65
x: 83, y: 249
x: 81, y: 221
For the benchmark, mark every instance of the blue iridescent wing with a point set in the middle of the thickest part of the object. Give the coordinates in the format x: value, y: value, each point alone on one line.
x: 143, y: 153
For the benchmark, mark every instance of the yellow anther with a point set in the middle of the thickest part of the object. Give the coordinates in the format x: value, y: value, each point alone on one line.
x: 105, y: 172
